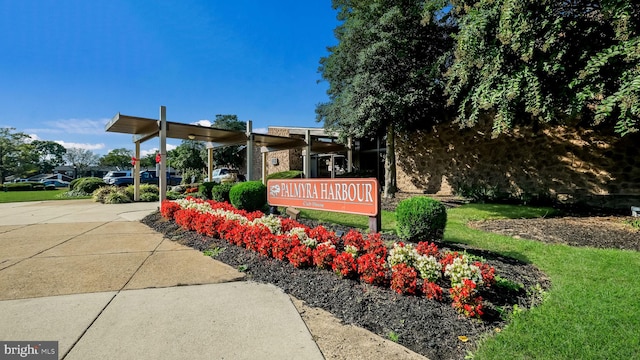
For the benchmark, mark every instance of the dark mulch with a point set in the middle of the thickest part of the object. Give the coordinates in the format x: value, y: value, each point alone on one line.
x: 605, y: 232
x: 427, y: 327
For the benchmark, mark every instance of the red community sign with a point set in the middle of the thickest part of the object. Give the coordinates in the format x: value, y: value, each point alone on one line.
x: 352, y: 196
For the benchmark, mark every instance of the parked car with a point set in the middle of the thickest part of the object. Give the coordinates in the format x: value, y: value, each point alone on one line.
x: 226, y: 175
x: 146, y: 177
x: 55, y: 183
x: 115, y: 174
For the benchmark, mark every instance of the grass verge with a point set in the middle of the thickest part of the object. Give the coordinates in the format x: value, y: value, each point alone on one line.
x: 20, y: 196
x: 355, y: 221
x: 590, y: 311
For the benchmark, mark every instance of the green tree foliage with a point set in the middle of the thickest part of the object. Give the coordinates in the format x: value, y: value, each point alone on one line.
x: 49, y: 155
x: 81, y: 159
x: 385, y: 71
x: 547, y: 61
x: 15, y: 157
x: 148, y: 161
x: 120, y: 158
x: 188, y: 155
x: 229, y: 155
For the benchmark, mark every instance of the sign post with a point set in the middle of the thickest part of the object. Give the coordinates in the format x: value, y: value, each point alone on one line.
x: 359, y: 196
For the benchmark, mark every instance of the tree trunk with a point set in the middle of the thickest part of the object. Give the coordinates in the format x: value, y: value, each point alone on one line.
x: 390, y: 165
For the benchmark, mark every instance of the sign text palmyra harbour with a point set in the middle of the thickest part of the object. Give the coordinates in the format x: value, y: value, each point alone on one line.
x: 356, y: 196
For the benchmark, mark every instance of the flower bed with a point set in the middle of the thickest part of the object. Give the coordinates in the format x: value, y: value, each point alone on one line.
x: 422, y: 270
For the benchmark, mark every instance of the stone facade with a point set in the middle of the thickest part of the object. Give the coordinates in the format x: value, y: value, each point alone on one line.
x: 283, y: 160
x: 554, y: 163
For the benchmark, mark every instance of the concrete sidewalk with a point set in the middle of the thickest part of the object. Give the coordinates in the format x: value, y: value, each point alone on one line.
x: 106, y: 286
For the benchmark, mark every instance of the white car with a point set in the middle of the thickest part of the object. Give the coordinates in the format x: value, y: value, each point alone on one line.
x: 226, y: 175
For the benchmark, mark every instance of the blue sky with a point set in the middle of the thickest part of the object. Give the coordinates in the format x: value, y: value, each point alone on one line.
x: 68, y: 66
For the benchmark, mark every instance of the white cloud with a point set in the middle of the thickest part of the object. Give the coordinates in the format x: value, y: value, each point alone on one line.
x: 81, y: 146
x: 144, y: 153
x: 205, y: 123
x: 73, y: 126
x: 261, y: 130
x: 33, y: 137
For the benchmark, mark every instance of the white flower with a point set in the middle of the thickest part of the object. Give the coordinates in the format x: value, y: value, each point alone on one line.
x: 270, y: 221
x: 429, y: 267
x: 402, y: 254
x: 460, y: 269
x: 351, y: 250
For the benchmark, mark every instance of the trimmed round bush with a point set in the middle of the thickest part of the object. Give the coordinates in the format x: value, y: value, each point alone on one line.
x: 220, y: 192
x: 144, y: 189
x: 250, y: 195
x: 421, y: 218
x: 205, y: 189
x: 87, y: 185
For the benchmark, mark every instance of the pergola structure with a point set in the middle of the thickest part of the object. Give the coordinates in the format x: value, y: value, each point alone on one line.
x: 144, y: 129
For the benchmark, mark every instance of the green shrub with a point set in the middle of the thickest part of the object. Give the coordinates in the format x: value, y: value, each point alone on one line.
x: 101, y: 193
x: 291, y: 174
x: 220, y: 192
x: 172, y: 195
x: 117, y: 196
x: 149, y: 197
x: 250, y: 195
x: 144, y: 189
x: 21, y: 186
x: 188, y: 174
x: 87, y: 185
x: 73, y: 183
x: 421, y: 218
x: 37, y: 186
x: 205, y: 189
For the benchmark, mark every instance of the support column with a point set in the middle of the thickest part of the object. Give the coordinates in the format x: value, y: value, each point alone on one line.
x: 306, y: 159
x: 163, y: 154
x: 349, y: 154
x: 210, y: 162
x: 136, y: 173
x: 264, y: 152
x: 249, y: 151
x: 333, y: 166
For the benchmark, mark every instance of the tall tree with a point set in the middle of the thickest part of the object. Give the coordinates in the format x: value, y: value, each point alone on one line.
x: 384, y: 74
x: 229, y: 155
x: 13, y: 153
x: 547, y: 61
x: 188, y: 155
x: 81, y: 159
x: 120, y: 158
x: 49, y: 155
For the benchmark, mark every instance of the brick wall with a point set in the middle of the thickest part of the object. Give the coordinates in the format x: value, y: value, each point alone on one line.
x: 563, y: 164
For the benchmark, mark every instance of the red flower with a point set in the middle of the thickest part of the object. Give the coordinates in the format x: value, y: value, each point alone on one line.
x: 432, y: 290
x: 288, y: 224
x: 283, y: 245
x: 428, y: 249
x: 374, y: 245
x: 488, y: 273
x: 300, y: 256
x: 168, y: 208
x: 344, y: 265
x: 323, y: 255
x: 322, y: 235
x: 465, y: 299
x: 354, y: 238
x: 372, y: 269
x: 404, y: 279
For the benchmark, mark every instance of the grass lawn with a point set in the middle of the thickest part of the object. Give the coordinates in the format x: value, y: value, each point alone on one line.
x: 591, y: 311
x: 355, y: 221
x: 41, y: 195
